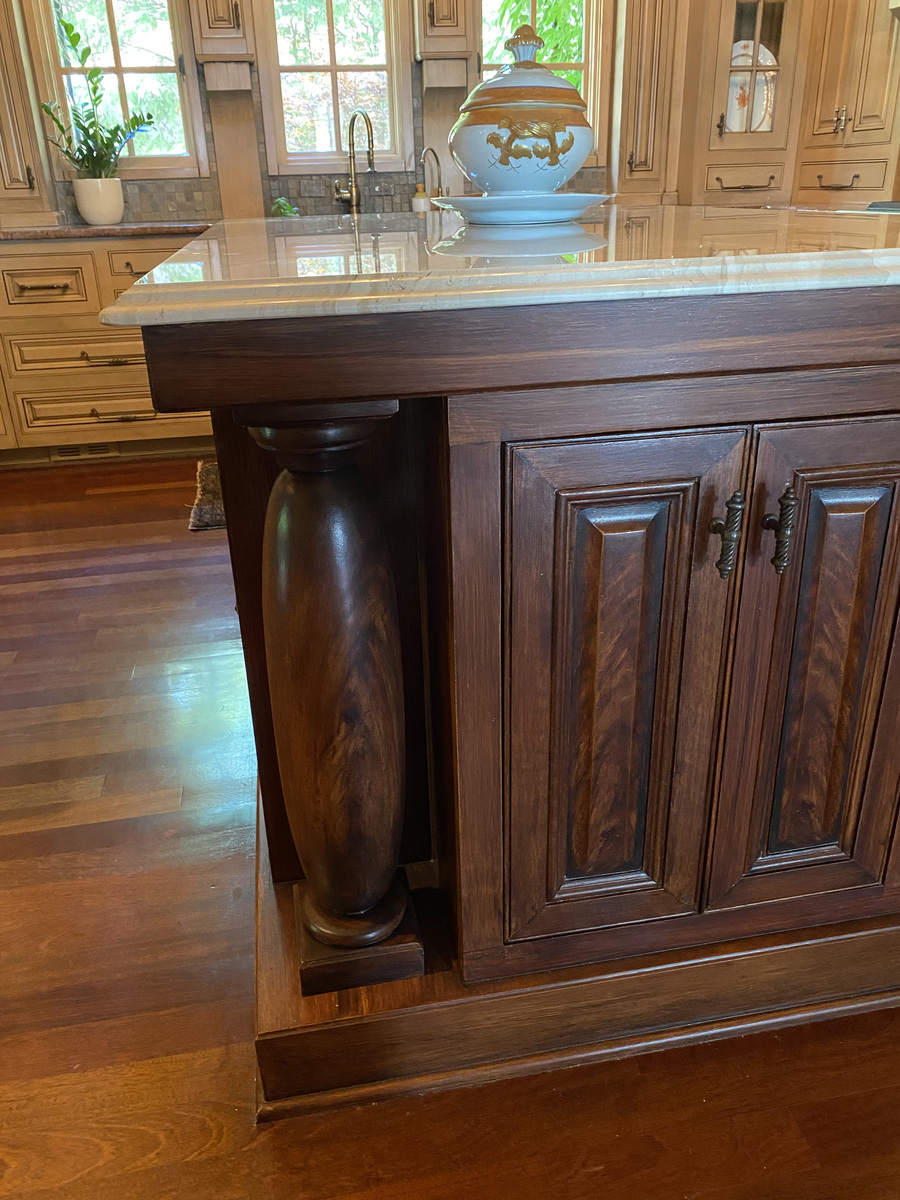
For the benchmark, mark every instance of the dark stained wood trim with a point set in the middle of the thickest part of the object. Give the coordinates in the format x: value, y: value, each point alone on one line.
x: 441, y: 353
x: 435, y: 1032
x: 676, y: 403
x: 575, y: 1056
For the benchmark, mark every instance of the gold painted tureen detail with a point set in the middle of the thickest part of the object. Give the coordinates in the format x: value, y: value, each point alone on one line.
x: 524, y: 130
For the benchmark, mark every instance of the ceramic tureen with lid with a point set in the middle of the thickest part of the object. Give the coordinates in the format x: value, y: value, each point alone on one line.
x: 524, y: 130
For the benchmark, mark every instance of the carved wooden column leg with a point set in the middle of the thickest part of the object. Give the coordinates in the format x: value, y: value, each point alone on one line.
x: 333, y: 656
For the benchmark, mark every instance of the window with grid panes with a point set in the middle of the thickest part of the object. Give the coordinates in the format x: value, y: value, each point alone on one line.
x: 136, y: 44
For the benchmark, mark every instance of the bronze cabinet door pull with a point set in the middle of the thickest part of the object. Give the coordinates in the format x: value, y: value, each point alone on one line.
x: 729, y: 530
x: 783, y: 528
x: 837, y: 187
x: 745, y: 187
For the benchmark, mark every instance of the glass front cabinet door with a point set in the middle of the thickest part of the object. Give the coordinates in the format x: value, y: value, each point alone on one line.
x: 750, y: 104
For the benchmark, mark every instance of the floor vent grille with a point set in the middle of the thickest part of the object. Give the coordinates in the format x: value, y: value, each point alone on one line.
x: 93, y: 450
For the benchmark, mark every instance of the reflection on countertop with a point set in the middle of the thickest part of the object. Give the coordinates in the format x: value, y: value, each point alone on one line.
x: 405, y: 262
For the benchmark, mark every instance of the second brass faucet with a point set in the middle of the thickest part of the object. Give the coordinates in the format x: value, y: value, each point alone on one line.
x: 351, y: 193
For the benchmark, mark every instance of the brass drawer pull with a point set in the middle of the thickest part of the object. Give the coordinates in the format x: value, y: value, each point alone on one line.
x: 720, y: 125
x: 131, y: 271
x: 110, y: 362
x: 783, y: 528
x: 745, y: 187
x: 123, y: 417
x: 837, y: 187
x: 237, y: 15
x: 729, y: 530
x: 43, y: 287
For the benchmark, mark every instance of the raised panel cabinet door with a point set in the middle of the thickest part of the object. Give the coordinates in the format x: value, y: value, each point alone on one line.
x: 645, y: 95
x: 222, y: 29
x: 22, y: 184
x: 829, y: 72
x: 807, y: 804
x: 872, y: 96
x: 616, y: 617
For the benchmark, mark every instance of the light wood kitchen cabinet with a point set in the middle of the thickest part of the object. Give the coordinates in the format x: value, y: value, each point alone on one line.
x: 748, y: 105
x: 445, y: 28
x: 849, y: 153
x: 641, y: 107
x: 23, y: 170
x: 68, y: 379
x: 223, y: 30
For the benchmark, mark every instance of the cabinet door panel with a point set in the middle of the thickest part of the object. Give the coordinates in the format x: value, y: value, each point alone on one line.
x: 876, y: 67
x: 801, y: 812
x: 616, y: 620
x: 829, y: 67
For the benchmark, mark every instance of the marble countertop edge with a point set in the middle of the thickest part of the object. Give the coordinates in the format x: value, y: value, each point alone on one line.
x: 436, y: 290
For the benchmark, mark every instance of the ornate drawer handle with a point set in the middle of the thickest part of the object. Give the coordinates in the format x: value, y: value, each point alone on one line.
x: 837, y: 187
x: 109, y: 362
x: 131, y: 271
x: 729, y: 530
x: 123, y: 417
x: 745, y: 187
x: 720, y: 125
x: 783, y: 528
x: 43, y: 287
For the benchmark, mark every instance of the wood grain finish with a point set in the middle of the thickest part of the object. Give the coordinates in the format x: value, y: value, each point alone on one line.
x: 812, y: 653
x: 361, y: 357
x: 335, y: 678
x: 606, y: 579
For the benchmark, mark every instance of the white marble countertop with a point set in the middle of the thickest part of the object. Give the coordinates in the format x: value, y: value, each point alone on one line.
x: 403, y: 262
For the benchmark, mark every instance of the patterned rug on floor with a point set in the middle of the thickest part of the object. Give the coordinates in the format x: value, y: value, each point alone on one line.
x: 208, y: 511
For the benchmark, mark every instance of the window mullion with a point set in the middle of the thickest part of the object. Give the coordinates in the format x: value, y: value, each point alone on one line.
x: 332, y: 55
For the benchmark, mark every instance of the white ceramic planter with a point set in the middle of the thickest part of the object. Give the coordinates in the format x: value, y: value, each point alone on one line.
x: 524, y: 130
x: 100, y: 201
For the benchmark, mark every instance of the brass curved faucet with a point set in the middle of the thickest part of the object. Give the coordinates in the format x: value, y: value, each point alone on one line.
x: 437, y: 168
x: 351, y: 194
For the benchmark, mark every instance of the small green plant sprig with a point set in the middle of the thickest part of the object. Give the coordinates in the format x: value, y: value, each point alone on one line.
x: 282, y: 207
x: 92, y: 147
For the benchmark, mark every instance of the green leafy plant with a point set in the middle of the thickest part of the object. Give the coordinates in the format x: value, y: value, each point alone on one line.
x: 282, y: 207
x: 90, y: 145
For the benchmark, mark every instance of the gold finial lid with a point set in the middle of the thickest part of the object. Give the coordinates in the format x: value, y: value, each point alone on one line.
x: 524, y: 44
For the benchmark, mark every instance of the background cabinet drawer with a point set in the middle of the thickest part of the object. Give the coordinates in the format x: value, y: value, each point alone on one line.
x: 68, y: 285
x: 725, y: 180
x: 27, y: 352
x: 93, y: 406
x: 133, y: 264
x: 842, y: 176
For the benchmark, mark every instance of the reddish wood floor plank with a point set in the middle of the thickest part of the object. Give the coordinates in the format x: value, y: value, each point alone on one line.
x: 126, y: 937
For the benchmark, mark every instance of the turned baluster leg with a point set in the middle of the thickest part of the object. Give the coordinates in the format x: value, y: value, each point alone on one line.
x: 333, y: 655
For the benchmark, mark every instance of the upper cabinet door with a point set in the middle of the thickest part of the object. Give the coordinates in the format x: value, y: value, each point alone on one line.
x: 22, y: 182
x: 829, y: 83
x: 809, y: 779
x: 752, y: 95
x: 615, y: 651
x: 223, y: 29
x: 875, y: 71
x: 646, y: 89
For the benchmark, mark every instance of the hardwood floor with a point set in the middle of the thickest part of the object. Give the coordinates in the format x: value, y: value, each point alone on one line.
x: 126, y: 926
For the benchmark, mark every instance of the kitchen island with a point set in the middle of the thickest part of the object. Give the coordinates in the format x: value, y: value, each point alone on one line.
x: 567, y: 567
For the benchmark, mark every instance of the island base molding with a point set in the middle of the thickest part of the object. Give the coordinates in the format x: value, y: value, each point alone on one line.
x: 433, y: 1032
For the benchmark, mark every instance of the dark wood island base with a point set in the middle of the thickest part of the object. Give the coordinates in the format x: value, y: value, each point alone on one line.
x: 613, y: 587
